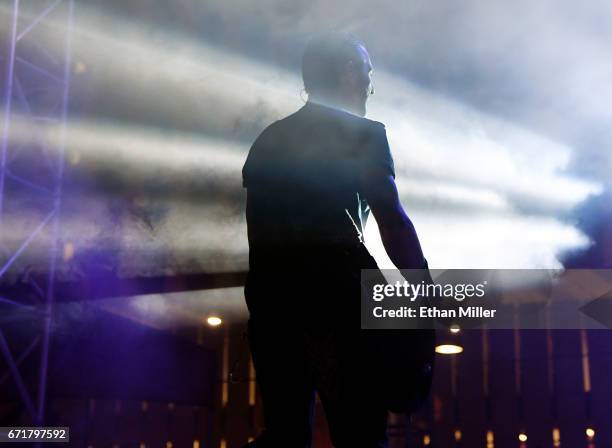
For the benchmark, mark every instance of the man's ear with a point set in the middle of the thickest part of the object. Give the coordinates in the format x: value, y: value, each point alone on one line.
x: 347, y: 75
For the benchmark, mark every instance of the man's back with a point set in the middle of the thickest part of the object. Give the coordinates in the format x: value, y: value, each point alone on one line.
x: 303, y: 177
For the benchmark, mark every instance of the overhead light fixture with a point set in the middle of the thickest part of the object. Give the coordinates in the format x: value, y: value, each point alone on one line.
x: 449, y: 349
x: 214, y: 321
x: 458, y: 435
x: 490, y: 439
x: 590, y: 433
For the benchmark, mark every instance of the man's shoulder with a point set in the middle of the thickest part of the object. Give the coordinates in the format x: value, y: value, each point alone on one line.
x: 315, y: 121
x: 324, y: 115
x: 360, y: 122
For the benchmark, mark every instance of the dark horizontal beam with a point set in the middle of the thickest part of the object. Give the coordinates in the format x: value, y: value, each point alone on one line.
x: 109, y: 285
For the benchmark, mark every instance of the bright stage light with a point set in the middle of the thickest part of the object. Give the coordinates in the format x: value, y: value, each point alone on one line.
x: 522, y: 437
x: 449, y: 349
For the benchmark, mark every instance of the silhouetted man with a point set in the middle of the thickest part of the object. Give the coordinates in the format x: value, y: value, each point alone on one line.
x: 311, y: 181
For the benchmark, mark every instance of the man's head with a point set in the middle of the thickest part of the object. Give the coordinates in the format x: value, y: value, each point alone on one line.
x: 336, y: 68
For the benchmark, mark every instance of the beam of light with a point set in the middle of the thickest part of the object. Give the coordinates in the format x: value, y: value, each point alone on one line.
x: 190, y: 238
x: 190, y: 225
x: 451, y: 160
x: 435, y: 137
x: 138, y: 150
x: 497, y: 237
x: 161, y: 75
x: 464, y: 241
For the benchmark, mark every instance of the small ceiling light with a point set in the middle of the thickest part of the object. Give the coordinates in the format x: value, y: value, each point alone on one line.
x: 522, y: 437
x: 68, y: 251
x: 556, y: 435
x: 590, y: 433
x: 449, y: 349
x: 455, y: 329
x: 458, y: 435
x: 80, y: 67
x: 490, y: 439
x: 214, y: 321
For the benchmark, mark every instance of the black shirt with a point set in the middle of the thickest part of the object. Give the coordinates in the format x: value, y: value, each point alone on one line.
x: 304, y: 178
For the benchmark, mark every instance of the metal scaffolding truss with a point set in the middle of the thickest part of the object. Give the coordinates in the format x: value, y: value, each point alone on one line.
x: 23, y: 104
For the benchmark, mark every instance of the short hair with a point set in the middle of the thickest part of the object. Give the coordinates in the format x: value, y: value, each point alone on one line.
x: 324, y: 57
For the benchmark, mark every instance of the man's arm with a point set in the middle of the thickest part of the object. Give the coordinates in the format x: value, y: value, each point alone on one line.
x: 396, y: 230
